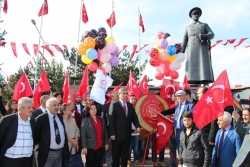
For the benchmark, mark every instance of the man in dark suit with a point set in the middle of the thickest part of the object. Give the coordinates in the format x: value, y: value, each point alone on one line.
x: 51, y: 139
x: 227, y: 143
x: 17, y: 136
x: 121, y: 115
x: 79, y: 107
x: 42, y: 108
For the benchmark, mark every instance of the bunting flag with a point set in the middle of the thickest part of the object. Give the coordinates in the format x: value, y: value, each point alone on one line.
x: 230, y: 41
x: 133, y: 52
x: 247, y: 46
x: 35, y: 49
x: 145, y: 45
x: 141, y: 23
x: 22, y: 88
x: 29, y: 63
x: 2, y: 43
x: 57, y: 48
x: 111, y: 20
x: 43, y: 56
x: 83, y: 88
x: 25, y: 48
x: 217, y: 42
x: 44, y: 9
x: 34, y: 60
x: 123, y: 48
x: 65, y: 47
x: 66, y: 88
x: 46, y: 47
x: 13, y: 46
x: 85, y: 18
x: 240, y: 42
x: 5, y: 6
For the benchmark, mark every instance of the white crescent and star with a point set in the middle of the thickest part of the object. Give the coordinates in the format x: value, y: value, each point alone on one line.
x: 23, y: 87
x: 143, y: 85
x: 170, y: 86
x: 103, y: 82
x: 219, y: 87
x: 163, y: 125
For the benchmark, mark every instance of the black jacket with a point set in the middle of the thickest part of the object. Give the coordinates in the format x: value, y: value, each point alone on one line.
x: 2, y: 108
x: 8, y: 132
x: 37, y: 112
x: 42, y: 139
x: 104, y: 115
x: 194, y: 149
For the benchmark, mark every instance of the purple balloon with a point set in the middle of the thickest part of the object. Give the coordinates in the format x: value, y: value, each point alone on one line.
x: 114, y: 61
x: 163, y: 43
x: 115, y: 53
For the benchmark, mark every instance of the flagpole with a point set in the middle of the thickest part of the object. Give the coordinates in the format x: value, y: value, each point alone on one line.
x: 38, y: 49
x: 139, y: 56
x: 78, y: 35
x: 111, y: 30
x: 0, y: 7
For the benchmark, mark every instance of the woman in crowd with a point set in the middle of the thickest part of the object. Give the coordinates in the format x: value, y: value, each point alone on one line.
x: 94, y: 137
x: 134, y: 145
x: 10, y: 108
x: 73, y: 134
x: 75, y: 114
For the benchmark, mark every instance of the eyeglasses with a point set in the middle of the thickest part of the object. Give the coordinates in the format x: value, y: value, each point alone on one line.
x: 124, y: 93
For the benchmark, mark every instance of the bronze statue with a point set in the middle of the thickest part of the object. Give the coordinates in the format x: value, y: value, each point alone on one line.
x: 198, y: 57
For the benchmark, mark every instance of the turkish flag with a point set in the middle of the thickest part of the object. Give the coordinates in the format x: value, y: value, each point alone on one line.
x: 42, y: 86
x: 57, y: 48
x: 164, y: 131
x: 240, y: 42
x: 22, y: 88
x: 168, y: 88
x: 43, y: 57
x: 35, y: 49
x: 212, y: 104
x: 132, y: 87
x: 230, y: 41
x: 13, y: 46
x: 44, y: 9
x: 5, y: 6
x: 116, y: 89
x: 66, y: 88
x: 141, y: 23
x: 46, y: 47
x: 123, y: 48
x: 83, y: 88
x: 134, y: 51
x: 111, y: 20
x: 144, y: 85
x: 85, y: 18
x: 185, y: 85
x: 25, y: 48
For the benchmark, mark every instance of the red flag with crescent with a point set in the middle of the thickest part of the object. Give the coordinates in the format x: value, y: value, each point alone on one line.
x: 111, y: 20
x: 44, y: 9
x: 212, y: 104
x: 185, y: 85
x: 164, y: 131
x: 13, y: 46
x: 22, y: 88
x: 144, y: 85
x: 132, y: 87
x: 168, y: 88
x: 85, y: 18
x: 5, y: 6
x: 66, y: 88
x: 26, y: 48
x: 83, y: 88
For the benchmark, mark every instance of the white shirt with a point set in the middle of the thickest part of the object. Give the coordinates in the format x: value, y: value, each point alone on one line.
x: 53, y: 144
x: 23, y: 145
x: 133, y: 127
x: 122, y: 102
x: 180, y: 114
x: 78, y: 106
x: 43, y: 109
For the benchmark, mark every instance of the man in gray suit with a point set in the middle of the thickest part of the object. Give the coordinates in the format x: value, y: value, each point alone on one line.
x: 243, y: 157
x: 197, y: 38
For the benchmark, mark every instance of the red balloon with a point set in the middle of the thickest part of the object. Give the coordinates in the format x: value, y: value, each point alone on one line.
x: 174, y: 74
x: 160, y: 34
x: 159, y: 76
x: 93, y: 66
x: 154, y: 53
x: 154, y: 62
x: 167, y: 72
x: 167, y: 64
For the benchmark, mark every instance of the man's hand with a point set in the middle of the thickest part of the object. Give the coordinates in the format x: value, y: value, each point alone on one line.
x: 211, y: 143
x: 179, y: 165
x: 75, y: 142
x: 84, y: 151
x: 138, y: 130
x: 106, y: 147
x: 0, y: 91
x: 235, y: 115
x: 112, y: 137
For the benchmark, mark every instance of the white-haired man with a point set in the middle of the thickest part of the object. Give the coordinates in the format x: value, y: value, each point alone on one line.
x: 227, y: 143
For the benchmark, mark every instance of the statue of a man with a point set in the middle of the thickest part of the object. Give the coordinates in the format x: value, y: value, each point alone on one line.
x: 198, y: 57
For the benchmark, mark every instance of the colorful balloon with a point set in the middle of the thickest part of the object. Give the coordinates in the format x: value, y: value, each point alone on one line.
x: 114, y: 61
x: 171, y: 40
x: 105, y: 57
x: 93, y: 66
x: 154, y: 62
x: 163, y: 55
x: 102, y: 29
x: 86, y: 60
x: 160, y: 34
x: 81, y: 49
x: 180, y: 57
x: 178, y: 48
x: 107, y: 67
x: 87, y: 34
x: 109, y: 39
x: 167, y: 72
x: 115, y: 53
x: 166, y: 35
x: 154, y: 39
x: 100, y: 42
x: 153, y: 53
x: 95, y: 33
x: 160, y: 68
x: 110, y: 47
x: 174, y: 74
x: 171, y: 58
x: 171, y: 50
x: 175, y: 65
x: 91, y: 54
x: 163, y: 43
x: 102, y: 34
x: 89, y: 42
x: 159, y: 76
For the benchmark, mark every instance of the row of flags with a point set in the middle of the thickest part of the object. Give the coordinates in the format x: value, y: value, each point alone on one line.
x: 230, y: 41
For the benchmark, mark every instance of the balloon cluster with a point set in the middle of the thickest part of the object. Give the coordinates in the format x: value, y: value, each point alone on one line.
x: 98, y: 49
x: 166, y: 56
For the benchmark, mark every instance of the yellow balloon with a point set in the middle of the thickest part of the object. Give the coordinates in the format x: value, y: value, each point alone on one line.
x: 171, y: 58
x: 109, y: 39
x: 158, y: 48
x: 86, y: 60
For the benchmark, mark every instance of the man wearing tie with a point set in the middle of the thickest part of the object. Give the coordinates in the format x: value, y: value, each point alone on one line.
x: 51, y: 139
x: 121, y: 115
x: 227, y: 143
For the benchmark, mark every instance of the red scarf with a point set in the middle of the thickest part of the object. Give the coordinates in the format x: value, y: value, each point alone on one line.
x: 98, y: 132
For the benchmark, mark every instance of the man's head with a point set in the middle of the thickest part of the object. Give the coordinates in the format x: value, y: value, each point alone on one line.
x: 195, y: 13
x: 114, y: 96
x: 58, y: 96
x: 201, y: 91
x: 123, y: 94
x: 84, y: 103
x: 188, y: 95
x: 25, y: 107
x: 187, y: 118
x: 52, y: 105
x: 132, y: 99
x: 77, y: 97
x: 43, y: 100
x: 246, y: 115
x: 180, y: 96
x: 225, y: 120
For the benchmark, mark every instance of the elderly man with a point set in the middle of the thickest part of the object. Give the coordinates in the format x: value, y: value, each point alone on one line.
x: 121, y: 115
x: 42, y: 108
x: 243, y: 157
x: 16, y: 136
x: 246, y: 117
x: 197, y: 38
x: 51, y: 139
x: 227, y: 143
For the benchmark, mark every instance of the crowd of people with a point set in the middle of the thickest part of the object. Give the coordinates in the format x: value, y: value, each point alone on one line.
x: 60, y: 134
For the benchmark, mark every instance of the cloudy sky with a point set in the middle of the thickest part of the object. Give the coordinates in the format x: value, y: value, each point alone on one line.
x: 227, y: 18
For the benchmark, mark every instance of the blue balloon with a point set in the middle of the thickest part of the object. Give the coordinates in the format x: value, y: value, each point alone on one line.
x: 171, y: 50
x: 92, y: 54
